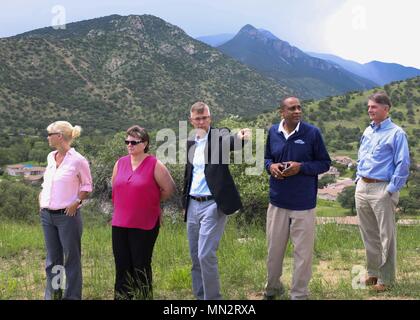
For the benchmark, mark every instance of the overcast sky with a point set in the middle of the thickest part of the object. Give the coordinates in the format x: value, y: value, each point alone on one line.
x: 359, y: 30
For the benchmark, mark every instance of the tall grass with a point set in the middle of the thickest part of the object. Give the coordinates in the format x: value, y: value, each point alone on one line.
x: 242, y: 256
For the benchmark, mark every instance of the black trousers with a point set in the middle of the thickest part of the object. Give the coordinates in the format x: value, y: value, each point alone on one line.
x: 133, y: 249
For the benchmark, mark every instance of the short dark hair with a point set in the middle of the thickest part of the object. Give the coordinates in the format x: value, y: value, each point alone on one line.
x: 139, y: 133
x: 283, y: 101
x: 381, y: 98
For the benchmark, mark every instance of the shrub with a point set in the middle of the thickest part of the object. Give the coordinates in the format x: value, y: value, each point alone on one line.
x: 409, y: 206
x: 346, y: 199
x: 326, y: 180
x: 18, y: 201
x: 254, y: 191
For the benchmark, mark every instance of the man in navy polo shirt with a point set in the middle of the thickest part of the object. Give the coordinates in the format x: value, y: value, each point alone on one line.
x: 294, y: 156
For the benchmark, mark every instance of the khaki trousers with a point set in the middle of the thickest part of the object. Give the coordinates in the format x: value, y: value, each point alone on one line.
x: 300, y: 226
x: 376, y: 212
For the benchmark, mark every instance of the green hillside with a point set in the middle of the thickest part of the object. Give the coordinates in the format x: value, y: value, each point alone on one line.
x: 343, y: 119
x: 108, y: 73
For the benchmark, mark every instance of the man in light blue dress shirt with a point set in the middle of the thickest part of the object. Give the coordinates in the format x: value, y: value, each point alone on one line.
x: 382, y: 170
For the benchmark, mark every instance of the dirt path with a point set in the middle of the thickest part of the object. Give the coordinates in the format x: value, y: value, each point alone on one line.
x: 67, y: 61
x: 353, y: 220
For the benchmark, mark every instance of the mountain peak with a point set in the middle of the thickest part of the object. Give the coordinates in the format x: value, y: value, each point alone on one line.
x: 277, y: 59
x: 248, y: 29
x: 99, y: 26
x: 261, y: 34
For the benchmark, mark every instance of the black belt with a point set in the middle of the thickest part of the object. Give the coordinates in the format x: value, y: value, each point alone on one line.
x: 58, y: 211
x: 202, y: 199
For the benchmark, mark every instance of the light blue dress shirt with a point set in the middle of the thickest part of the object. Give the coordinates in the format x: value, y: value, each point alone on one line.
x: 384, y: 155
x: 199, y: 185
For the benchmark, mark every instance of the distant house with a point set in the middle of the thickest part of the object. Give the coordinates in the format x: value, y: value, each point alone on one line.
x: 28, y: 172
x: 347, y: 161
x: 332, y: 191
x: 15, y: 170
x: 332, y: 172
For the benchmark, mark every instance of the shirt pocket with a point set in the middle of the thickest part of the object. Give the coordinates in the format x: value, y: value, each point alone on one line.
x: 381, y: 151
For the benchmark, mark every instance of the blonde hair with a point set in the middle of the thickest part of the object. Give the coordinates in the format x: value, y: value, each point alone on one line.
x: 66, y: 129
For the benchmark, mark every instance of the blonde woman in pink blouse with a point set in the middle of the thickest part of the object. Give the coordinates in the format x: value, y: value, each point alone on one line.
x: 67, y: 182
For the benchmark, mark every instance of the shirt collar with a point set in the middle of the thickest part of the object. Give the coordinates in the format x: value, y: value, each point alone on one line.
x: 70, y: 152
x: 383, y: 125
x: 203, y: 138
x: 281, y: 128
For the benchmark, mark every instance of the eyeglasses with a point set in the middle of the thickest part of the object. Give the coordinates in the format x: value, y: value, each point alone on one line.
x: 133, y: 142
x: 53, y: 133
x: 198, y: 119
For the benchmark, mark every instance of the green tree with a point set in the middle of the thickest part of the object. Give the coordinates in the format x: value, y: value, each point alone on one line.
x: 409, y: 205
x: 5, y: 157
x: 326, y: 180
x: 18, y: 201
x: 103, y: 164
x: 39, y: 152
x: 19, y: 152
x: 346, y: 199
x: 342, y: 168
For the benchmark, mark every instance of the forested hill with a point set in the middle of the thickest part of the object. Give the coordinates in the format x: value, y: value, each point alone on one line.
x: 108, y: 73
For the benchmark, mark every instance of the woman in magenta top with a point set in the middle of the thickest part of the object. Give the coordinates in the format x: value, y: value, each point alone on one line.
x: 139, y: 183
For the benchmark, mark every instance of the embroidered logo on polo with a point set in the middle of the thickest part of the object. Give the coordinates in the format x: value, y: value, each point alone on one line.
x: 299, y: 141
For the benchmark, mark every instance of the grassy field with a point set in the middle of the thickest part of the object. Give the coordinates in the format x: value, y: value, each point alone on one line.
x: 241, y: 255
x: 329, y: 208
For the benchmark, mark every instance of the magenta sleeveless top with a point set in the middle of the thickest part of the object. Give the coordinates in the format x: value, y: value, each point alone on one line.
x: 136, y: 195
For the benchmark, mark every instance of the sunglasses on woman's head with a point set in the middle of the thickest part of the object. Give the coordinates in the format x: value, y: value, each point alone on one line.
x: 133, y: 142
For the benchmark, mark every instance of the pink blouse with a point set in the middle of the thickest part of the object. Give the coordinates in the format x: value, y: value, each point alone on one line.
x: 61, y: 185
x: 136, y: 195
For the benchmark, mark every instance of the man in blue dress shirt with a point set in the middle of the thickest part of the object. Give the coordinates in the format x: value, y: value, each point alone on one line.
x: 382, y: 170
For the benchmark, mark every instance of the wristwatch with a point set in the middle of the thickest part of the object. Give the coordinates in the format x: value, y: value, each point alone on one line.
x: 79, y: 201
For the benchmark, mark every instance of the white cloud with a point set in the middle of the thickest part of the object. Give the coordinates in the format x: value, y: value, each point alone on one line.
x: 384, y: 30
